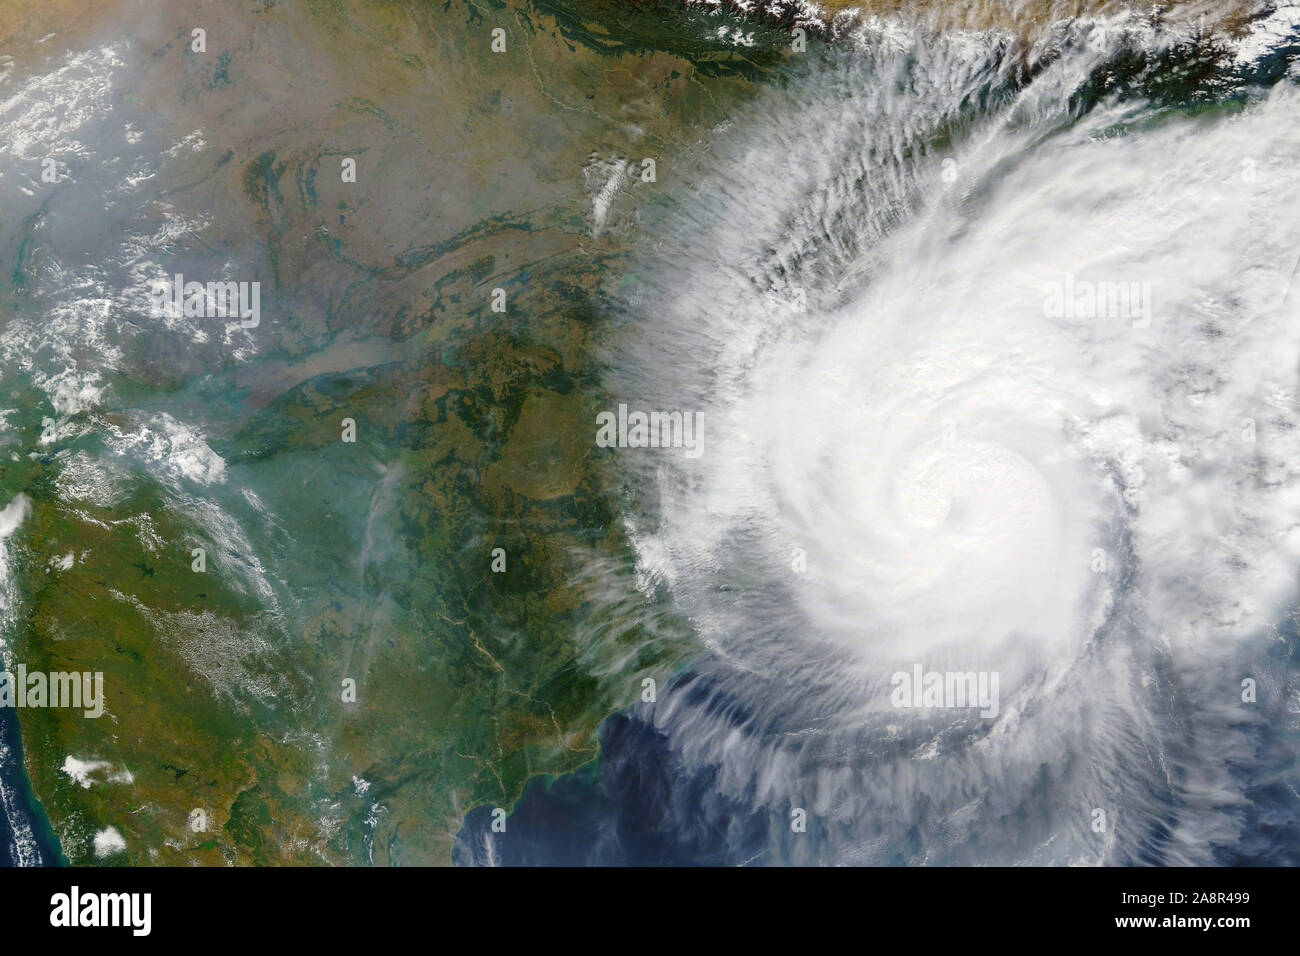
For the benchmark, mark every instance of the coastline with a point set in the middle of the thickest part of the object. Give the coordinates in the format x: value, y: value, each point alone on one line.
x: 26, y: 838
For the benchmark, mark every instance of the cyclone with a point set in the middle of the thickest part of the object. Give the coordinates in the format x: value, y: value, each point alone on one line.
x: 997, y: 353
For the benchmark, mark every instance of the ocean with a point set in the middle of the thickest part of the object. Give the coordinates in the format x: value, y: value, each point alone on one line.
x: 25, y: 835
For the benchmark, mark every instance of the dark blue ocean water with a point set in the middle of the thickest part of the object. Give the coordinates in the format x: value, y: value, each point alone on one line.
x: 633, y: 807
x: 637, y: 805
x: 25, y: 835
x: 640, y: 805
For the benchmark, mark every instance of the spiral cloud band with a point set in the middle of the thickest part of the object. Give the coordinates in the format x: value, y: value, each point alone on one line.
x: 999, y: 375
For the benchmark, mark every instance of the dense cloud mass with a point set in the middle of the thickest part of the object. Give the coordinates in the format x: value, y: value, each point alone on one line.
x: 998, y: 376
x: 673, y: 433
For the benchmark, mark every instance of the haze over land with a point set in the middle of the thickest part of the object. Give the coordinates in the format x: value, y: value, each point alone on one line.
x: 839, y: 260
